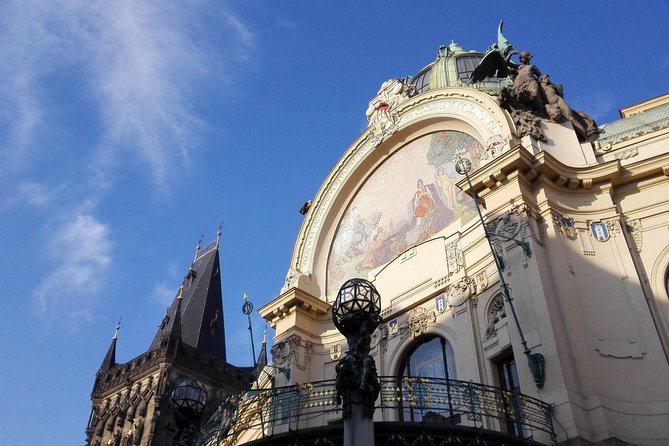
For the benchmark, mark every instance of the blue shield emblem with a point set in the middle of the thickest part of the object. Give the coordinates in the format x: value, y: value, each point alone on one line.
x: 440, y: 303
x: 600, y: 231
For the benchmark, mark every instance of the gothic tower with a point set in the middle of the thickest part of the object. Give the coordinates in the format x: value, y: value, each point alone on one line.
x: 168, y: 392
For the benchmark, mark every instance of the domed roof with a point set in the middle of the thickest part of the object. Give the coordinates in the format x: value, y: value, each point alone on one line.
x: 453, y: 67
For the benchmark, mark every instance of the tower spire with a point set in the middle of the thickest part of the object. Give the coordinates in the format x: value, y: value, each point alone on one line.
x: 262, y: 356
x: 196, y: 313
x: 175, y: 332
x: 110, y: 358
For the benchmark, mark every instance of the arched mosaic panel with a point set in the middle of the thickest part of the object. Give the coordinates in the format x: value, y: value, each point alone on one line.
x: 410, y: 198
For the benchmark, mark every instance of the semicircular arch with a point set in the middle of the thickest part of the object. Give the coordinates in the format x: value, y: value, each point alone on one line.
x: 453, y: 109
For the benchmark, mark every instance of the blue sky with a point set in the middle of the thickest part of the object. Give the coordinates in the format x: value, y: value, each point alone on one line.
x: 131, y: 127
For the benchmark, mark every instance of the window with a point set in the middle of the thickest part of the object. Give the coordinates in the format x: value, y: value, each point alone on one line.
x: 432, y: 358
x: 466, y: 66
x: 508, y: 381
x: 422, y: 81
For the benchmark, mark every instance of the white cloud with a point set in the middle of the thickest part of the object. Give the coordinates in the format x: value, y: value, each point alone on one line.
x: 93, y: 90
x: 135, y: 67
x: 35, y: 194
x: 163, y: 294
x: 81, y: 250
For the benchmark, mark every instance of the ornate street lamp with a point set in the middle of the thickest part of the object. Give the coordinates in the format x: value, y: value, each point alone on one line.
x: 535, y: 361
x: 357, y: 313
x: 247, y: 309
x: 187, y: 400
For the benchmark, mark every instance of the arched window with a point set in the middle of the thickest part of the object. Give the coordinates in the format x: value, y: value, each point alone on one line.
x: 432, y: 357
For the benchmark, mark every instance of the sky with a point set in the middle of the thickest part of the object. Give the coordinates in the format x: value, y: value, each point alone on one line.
x: 131, y: 128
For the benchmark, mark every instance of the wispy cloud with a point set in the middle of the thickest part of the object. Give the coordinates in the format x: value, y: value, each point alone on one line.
x: 82, y: 252
x: 136, y: 65
x: 163, y: 294
x: 104, y: 89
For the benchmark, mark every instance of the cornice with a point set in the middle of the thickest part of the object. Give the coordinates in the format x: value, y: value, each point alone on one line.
x: 541, y: 167
x: 656, y: 166
x: 292, y: 300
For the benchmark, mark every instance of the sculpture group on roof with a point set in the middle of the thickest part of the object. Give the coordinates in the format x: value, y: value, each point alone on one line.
x: 531, y: 96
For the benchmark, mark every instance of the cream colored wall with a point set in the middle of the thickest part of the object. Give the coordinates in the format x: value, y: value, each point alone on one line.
x: 597, y: 311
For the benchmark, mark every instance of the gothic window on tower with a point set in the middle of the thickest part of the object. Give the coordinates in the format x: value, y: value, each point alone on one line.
x: 430, y: 358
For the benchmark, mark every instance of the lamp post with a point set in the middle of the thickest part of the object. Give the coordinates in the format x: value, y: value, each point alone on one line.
x: 247, y: 308
x: 535, y: 361
x: 187, y: 400
x: 357, y: 313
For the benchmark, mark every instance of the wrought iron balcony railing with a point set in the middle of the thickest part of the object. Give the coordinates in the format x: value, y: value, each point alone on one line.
x: 430, y: 401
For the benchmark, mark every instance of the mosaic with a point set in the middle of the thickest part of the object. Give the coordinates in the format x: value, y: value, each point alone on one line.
x: 410, y: 198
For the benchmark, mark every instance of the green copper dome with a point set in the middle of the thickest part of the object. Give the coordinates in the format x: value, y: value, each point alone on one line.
x: 453, y: 68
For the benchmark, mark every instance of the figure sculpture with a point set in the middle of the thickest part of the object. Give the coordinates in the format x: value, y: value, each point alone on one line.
x: 558, y: 110
x: 532, y: 96
x: 357, y: 369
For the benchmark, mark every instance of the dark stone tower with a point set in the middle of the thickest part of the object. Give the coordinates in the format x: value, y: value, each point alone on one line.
x: 131, y: 401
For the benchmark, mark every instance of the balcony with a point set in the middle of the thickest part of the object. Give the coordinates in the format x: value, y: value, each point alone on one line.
x: 409, y: 410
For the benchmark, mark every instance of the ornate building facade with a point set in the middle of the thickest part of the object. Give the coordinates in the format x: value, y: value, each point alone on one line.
x: 555, y: 332
x: 523, y: 300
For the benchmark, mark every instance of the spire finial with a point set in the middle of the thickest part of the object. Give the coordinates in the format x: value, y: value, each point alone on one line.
x: 264, y: 335
x: 218, y: 234
x: 198, y: 246
x: 118, y: 327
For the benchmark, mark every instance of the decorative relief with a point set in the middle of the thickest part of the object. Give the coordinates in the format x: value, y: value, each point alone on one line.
x: 454, y: 257
x: 495, y: 313
x: 288, y: 351
x: 636, y: 231
x: 419, y: 320
x: 282, y: 351
x: 292, y: 277
x: 508, y: 226
x: 480, y: 282
x: 494, y: 147
x: 458, y: 293
x: 466, y: 107
x: 626, y: 154
x: 510, y: 230
x: 381, y: 112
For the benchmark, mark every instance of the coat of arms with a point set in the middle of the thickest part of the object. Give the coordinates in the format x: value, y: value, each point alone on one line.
x: 335, y: 352
x: 440, y: 303
x: 600, y: 231
x: 393, y: 327
x: 568, y: 228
